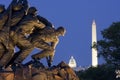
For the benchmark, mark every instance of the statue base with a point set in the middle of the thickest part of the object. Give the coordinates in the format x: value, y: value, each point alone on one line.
x: 31, y: 72
x: 6, y: 75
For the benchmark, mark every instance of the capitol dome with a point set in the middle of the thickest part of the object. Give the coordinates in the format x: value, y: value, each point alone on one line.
x: 72, y: 62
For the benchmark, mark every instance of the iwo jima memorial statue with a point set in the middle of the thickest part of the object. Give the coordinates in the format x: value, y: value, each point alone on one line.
x: 22, y: 27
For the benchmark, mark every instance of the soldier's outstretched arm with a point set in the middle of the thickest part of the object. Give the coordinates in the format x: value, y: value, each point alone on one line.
x: 54, y: 44
x: 26, y: 6
x: 45, y: 21
x: 39, y: 25
x: 11, y: 4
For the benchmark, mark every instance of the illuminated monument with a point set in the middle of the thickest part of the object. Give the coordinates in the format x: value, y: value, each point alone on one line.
x: 72, y: 62
x: 94, y: 40
x: 22, y: 30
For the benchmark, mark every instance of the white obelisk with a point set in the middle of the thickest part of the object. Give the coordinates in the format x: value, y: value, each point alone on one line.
x: 94, y: 40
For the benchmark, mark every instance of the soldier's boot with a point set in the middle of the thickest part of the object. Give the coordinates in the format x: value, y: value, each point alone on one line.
x: 11, y: 62
x: 50, y: 60
x: 23, y: 54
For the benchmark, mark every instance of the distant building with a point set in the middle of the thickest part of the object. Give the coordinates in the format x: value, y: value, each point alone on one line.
x: 72, y: 62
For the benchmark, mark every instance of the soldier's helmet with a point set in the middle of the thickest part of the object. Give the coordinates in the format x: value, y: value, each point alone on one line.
x: 2, y: 8
x: 17, y: 7
x: 61, y: 31
x: 32, y: 10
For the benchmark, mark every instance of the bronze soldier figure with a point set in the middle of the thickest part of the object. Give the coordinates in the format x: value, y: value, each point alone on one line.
x: 25, y: 26
x: 16, y: 23
x: 6, y: 46
x: 6, y: 14
x: 46, y: 39
x: 19, y: 9
x: 2, y: 22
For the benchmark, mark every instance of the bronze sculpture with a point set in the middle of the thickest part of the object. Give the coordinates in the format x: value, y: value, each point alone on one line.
x: 22, y: 27
x: 47, y: 35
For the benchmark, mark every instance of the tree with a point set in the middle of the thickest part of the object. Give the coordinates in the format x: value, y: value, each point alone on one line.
x: 102, y: 72
x: 109, y: 46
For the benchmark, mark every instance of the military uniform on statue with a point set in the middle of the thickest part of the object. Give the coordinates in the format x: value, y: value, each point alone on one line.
x: 23, y: 28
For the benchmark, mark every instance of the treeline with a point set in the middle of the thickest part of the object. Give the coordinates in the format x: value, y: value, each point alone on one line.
x: 102, y: 72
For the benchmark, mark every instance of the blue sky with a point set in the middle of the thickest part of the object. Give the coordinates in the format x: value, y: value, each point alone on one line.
x: 76, y: 16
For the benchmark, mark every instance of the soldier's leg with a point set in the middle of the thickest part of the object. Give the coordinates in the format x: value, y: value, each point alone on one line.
x: 2, y: 50
x: 42, y: 45
x: 2, y: 46
x: 8, y: 54
x: 25, y: 49
x: 42, y: 54
x: 50, y: 60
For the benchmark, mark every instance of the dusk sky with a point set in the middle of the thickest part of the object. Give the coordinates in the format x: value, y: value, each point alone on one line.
x: 76, y: 16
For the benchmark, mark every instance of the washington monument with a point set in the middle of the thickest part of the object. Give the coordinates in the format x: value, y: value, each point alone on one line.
x: 94, y: 41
